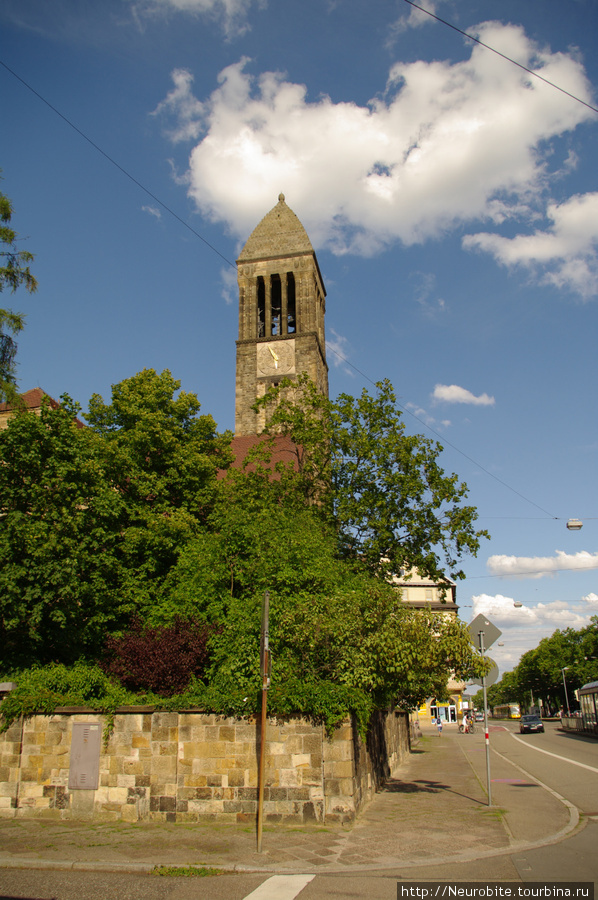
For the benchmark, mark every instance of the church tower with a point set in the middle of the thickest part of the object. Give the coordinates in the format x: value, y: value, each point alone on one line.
x: 281, y: 313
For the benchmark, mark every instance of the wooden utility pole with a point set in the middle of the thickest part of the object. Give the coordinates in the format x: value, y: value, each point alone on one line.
x: 265, y: 672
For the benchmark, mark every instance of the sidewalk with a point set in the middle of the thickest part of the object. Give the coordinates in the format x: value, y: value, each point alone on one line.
x: 434, y: 811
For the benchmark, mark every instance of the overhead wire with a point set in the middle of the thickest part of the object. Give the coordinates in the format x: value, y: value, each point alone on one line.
x: 449, y: 443
x: 502, y: 55
x: 117, y: 165
x: 183, y: 222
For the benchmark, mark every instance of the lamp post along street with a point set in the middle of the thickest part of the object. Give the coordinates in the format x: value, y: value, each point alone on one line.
x: 565, y: 686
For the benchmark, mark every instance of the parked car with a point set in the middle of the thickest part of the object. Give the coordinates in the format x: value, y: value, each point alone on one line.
x: 527, y: 724
x: 479, y: 716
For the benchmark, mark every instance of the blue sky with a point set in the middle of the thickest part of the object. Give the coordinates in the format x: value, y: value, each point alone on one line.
x: 452, y: 198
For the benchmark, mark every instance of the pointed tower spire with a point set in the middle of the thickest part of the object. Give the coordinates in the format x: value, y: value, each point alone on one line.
x: 281, y: 312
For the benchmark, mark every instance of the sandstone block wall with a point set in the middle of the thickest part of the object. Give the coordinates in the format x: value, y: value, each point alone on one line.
x: 192, y: 766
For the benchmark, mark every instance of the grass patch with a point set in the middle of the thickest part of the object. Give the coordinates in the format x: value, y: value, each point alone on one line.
x: 187, y: 871
x: 495, y: 812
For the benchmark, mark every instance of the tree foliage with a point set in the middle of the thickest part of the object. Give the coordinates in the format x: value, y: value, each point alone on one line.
x: 14, y: 272
x: 163, y: 460
x: 332, y: 622
x: 126, y: 542
x: 164, y: 454
x: 162, y: 659
x: 390, y: 500
x: 60, y: 578
x: 94, y: 518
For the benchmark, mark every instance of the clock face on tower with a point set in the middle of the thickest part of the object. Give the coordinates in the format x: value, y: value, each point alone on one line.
x: 276, y: 358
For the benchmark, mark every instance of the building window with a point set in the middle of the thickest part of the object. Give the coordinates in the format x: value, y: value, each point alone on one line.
x: 291, y: 304
x: 429, y: 595
x: 261, y: 308
x: 276, y: 304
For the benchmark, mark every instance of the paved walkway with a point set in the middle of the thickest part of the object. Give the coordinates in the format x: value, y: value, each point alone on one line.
x: 434, y: 810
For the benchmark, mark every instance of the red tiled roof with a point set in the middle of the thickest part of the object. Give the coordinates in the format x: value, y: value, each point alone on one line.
x: 33, y: 400
x: 284, y: 450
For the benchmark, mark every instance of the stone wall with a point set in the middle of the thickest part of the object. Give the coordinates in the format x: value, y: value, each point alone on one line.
x: 190, y: 766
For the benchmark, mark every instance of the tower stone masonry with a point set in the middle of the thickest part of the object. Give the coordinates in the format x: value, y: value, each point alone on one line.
x: 282, y: 306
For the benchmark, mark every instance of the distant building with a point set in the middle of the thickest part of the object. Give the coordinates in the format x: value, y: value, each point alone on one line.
x: 421, y: 592
x: 32, y: 401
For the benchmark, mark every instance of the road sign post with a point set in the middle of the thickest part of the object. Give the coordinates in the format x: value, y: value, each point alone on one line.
x: 484, y: 633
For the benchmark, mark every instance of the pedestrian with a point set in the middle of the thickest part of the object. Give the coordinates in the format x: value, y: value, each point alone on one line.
x: 439, y: 726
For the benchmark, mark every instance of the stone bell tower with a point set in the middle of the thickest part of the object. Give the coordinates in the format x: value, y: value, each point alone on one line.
x: 281, y: 313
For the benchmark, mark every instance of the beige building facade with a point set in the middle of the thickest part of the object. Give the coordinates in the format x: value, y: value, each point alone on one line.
x: 421, y: 592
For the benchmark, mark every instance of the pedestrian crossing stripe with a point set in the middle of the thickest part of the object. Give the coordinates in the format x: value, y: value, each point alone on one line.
x: 280, y: 887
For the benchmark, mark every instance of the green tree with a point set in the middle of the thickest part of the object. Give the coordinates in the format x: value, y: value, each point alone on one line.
x: 14, y: 272
x: 333, y: 624
x: 392, y: 504
x: 540, y: 670
x: 165, y: 454
x: 61, y: 584
x: 163, y: 458
x: 94, y: 518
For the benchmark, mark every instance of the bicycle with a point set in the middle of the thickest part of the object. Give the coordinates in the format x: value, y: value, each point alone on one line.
x: 470, y: 730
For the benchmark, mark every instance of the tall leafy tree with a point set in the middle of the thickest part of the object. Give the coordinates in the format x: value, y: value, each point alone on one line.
x: 92, y: 519
x: 61, y: 580
x: 14, y: 272
x: 163, y: 458
x: 390, y: 500
x: 333, y: 624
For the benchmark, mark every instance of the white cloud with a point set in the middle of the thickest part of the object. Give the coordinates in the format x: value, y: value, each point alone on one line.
x: 424, y: 416
x: 424, y: 290
x: 152, y: 211
x: 444, y: 145
x: 414, y: 18
x: 569, y: 247
x: 452, y: 393
x: 186, y: 110
x: 229, y: 285
x: 541, y: 566
x: 339, y: 347
x: 232, y: 13
x: 524, y: 627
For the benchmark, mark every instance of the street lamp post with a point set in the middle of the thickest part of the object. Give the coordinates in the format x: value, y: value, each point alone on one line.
x: 565, y: 686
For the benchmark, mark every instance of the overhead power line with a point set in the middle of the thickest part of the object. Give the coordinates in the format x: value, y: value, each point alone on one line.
x: 446, y: 441
x: 539, y: 573
x: 117, y: 165
x: 502, y: 55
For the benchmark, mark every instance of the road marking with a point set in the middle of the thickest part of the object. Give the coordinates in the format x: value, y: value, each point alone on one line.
x: 573, y: 810
x: 556, y: 756
x: 280, y: 887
